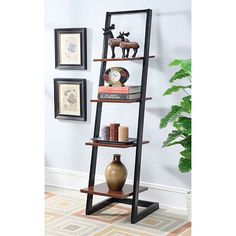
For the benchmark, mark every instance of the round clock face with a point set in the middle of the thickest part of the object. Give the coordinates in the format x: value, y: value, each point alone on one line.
x: 116, y: 76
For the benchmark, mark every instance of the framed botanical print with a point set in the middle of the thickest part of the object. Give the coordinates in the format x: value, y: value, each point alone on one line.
x: 70, y: 99
x: 71, y: 48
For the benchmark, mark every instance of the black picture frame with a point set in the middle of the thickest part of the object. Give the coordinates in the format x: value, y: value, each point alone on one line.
x: 70, y: 48
x: 70, y: 99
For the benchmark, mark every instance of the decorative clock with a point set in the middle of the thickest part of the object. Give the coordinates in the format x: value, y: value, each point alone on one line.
x: 116, y: 76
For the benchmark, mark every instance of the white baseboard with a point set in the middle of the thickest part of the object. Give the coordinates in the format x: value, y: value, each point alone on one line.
x: 167, y: 196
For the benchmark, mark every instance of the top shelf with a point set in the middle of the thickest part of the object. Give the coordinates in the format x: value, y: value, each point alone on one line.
x: 122, y: 59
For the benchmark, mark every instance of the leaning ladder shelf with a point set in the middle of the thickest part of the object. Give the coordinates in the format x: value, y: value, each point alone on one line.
x: 128, y: 190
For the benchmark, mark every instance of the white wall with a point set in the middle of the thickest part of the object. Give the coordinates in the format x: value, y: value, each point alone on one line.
x: 170, y: 38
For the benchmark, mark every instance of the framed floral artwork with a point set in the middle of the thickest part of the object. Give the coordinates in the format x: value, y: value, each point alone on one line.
x: 70, y: 99
x: 71, y: 48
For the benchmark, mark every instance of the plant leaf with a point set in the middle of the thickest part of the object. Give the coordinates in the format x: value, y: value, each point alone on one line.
x: 186, y: 153
x: 186, y: 104
x: 184, y: 64
x: 171, y: 137
x: 176, y: 62
x: 185, y: 165
x: 174, y: 143
x: 183, y: 124
x: 174, y: 89
x: 179, y: 75
x: 187, y: 142
x: 187, y: 67
x: 174, y: 113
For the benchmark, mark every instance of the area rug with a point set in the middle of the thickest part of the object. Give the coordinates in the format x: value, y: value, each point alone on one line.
x: 64, y: 216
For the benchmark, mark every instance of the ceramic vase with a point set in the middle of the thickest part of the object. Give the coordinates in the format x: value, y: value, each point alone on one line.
x: 116, y: 174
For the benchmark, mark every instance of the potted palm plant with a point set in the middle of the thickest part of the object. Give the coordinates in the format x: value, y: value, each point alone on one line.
x: 179, y: 117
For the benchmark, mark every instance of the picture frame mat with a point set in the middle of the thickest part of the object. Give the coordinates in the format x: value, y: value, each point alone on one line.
x: 70, y: 48
x: 70, y: 99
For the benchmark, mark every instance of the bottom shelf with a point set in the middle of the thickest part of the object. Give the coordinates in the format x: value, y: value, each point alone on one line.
x: 102, y: 189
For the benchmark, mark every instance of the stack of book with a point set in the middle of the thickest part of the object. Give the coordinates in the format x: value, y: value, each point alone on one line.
x: 119, y: 93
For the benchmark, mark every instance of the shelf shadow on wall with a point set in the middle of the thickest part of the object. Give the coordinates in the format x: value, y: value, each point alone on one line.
x: 89, y: 107
x: 158, y: 111
x: 162, y: 59
x: 184, y: 178
x: 48, y: 94
x: 89, y: 48
x: 182, y: 12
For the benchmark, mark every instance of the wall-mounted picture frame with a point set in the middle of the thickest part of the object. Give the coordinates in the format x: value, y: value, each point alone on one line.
x: 70, y: 99
x: 71, y: 48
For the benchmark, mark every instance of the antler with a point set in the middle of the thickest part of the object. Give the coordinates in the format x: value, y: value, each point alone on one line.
x: 110, y: 27
x: 126, y: 34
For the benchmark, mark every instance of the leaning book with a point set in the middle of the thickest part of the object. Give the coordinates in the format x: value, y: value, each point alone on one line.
x: 116, y: 96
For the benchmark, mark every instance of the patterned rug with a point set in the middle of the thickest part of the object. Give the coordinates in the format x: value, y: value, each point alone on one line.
x: 64, y: 216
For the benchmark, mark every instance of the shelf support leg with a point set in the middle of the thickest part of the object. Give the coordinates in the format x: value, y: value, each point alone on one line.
x: 99, y: 206
x: 91, y: 179
x: 97, y: 119
x: 135, y: 216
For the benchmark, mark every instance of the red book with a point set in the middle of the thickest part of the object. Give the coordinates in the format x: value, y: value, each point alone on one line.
x: 120, y: 90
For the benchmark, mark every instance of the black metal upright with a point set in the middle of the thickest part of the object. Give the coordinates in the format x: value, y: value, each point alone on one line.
x: 135, y: 202
x: 98, y: 118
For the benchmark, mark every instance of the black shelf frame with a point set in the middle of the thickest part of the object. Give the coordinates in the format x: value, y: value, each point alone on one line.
x: 150, y: 207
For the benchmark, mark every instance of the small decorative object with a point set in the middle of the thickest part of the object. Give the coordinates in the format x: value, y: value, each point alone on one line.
x: 71, y: 48
x: 105, y: 132
x: 126, y: 45
x: 116, y: 174
x: 116, y: 76
x: 123, y: 133
x: 111, y: 40
x: 120, y: 41
x: 114, y: 131
x: 70, y: 100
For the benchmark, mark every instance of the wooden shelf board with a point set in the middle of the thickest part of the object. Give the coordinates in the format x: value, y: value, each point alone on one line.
x: 119, y: 101
x: 122, y: 59
x: 102, y: 189
x: 97, y: 144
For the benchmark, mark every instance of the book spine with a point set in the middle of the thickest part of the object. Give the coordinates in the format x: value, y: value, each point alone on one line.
x: 114, y: 96
x: 113, y: 90
x: 120, y: 90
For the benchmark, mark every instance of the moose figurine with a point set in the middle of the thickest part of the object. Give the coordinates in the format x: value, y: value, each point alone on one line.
x: 126, y: 45
x: 121, y: 41
x: 111, y: 40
